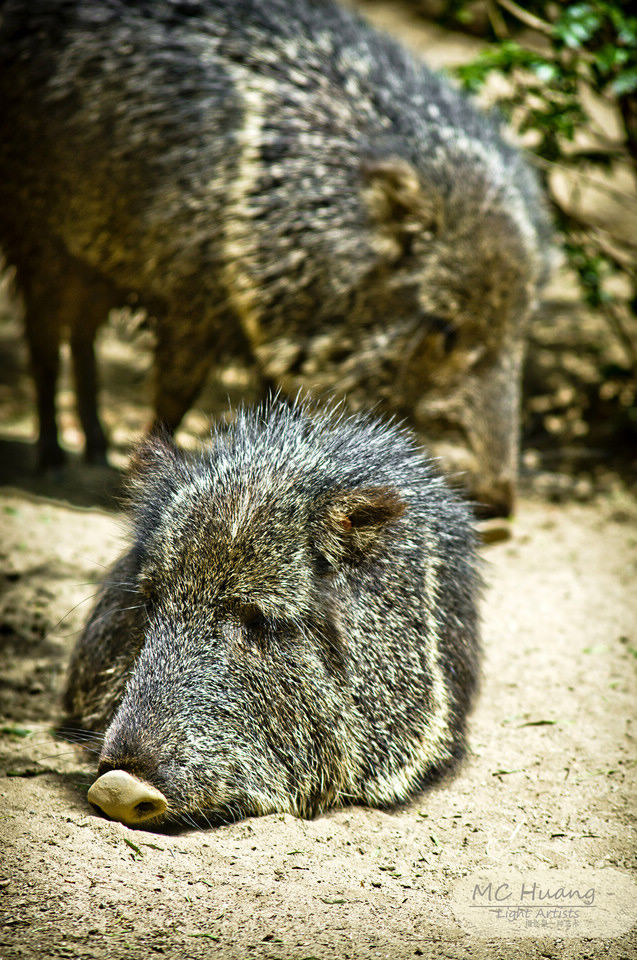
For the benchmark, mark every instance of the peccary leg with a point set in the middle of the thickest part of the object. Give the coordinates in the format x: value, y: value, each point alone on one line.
x: 83, y: 352
x: 35, y: 270
x: 184, y: 354
x: 60, y: 294
x: 88, y: 298
x: 43, y: 335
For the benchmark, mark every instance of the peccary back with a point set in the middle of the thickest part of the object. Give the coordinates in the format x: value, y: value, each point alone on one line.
x: 275, y: 181
x: 293, y: 627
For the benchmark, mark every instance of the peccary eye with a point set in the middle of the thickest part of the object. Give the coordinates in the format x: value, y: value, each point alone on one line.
x: 445, y: 329
x: 253, y: 619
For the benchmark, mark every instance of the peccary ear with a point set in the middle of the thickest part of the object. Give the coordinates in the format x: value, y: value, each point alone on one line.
x: 153, y: 464
x: 399, y: 204
x: 353, y: 522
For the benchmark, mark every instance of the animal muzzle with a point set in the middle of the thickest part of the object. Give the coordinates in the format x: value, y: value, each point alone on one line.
x: 121, y: 796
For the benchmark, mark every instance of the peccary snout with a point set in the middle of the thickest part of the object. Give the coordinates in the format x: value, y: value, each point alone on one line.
x: 294, y: 626
x: 124, y: 797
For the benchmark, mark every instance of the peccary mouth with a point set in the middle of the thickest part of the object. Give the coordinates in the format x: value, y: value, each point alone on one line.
x: 152, y: 802
x: 122, y: 796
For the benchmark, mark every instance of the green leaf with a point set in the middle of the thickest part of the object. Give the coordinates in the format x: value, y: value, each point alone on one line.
x: 133, y: 846
x: 609, y: 57
x: 625, y: 83
x: 577, y: 24
x: 12, y: 731
x: 545, y: 72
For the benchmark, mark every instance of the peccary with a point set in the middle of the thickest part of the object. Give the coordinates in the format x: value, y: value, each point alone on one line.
x: 294, y: 626
x: 274, y: 181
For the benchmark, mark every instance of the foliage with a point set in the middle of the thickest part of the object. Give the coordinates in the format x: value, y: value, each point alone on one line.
x: 571, y: 90
x: 584, y: 47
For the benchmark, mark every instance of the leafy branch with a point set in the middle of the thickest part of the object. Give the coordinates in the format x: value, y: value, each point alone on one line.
x: 569, y: 58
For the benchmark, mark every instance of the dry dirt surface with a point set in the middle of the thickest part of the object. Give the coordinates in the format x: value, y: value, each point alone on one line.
x: 545, y: 798
x: 547, y: 789
x: 544, y: 803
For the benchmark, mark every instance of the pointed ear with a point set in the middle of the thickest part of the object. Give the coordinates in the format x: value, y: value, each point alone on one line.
x: 399, y: 204
x: 352, y: 523
x: 155, y: 462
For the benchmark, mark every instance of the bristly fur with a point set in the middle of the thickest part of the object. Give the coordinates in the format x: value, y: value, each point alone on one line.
x: 294, y: 625
x: 278, y: 182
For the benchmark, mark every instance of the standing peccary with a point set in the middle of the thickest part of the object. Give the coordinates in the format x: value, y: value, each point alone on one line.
x: 272, y: 180
x: 294, y: 626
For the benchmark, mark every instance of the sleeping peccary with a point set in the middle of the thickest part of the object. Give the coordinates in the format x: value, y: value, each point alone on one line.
x: 273, y: 181
x: 293, y: 627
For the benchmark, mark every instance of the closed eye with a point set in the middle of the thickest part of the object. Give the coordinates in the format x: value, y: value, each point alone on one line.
x: 263, y: 628
x: 253, y: 618
x: 445, y: 328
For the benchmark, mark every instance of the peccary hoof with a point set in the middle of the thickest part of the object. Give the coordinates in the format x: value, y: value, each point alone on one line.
x: 51, y: 458
x: 123, y: 797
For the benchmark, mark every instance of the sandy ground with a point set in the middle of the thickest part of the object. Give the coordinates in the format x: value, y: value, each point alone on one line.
x: 546, y: 796
x: 549, y: 784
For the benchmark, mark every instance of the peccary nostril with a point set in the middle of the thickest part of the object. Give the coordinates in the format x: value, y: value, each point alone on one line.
x: 123, y: 797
